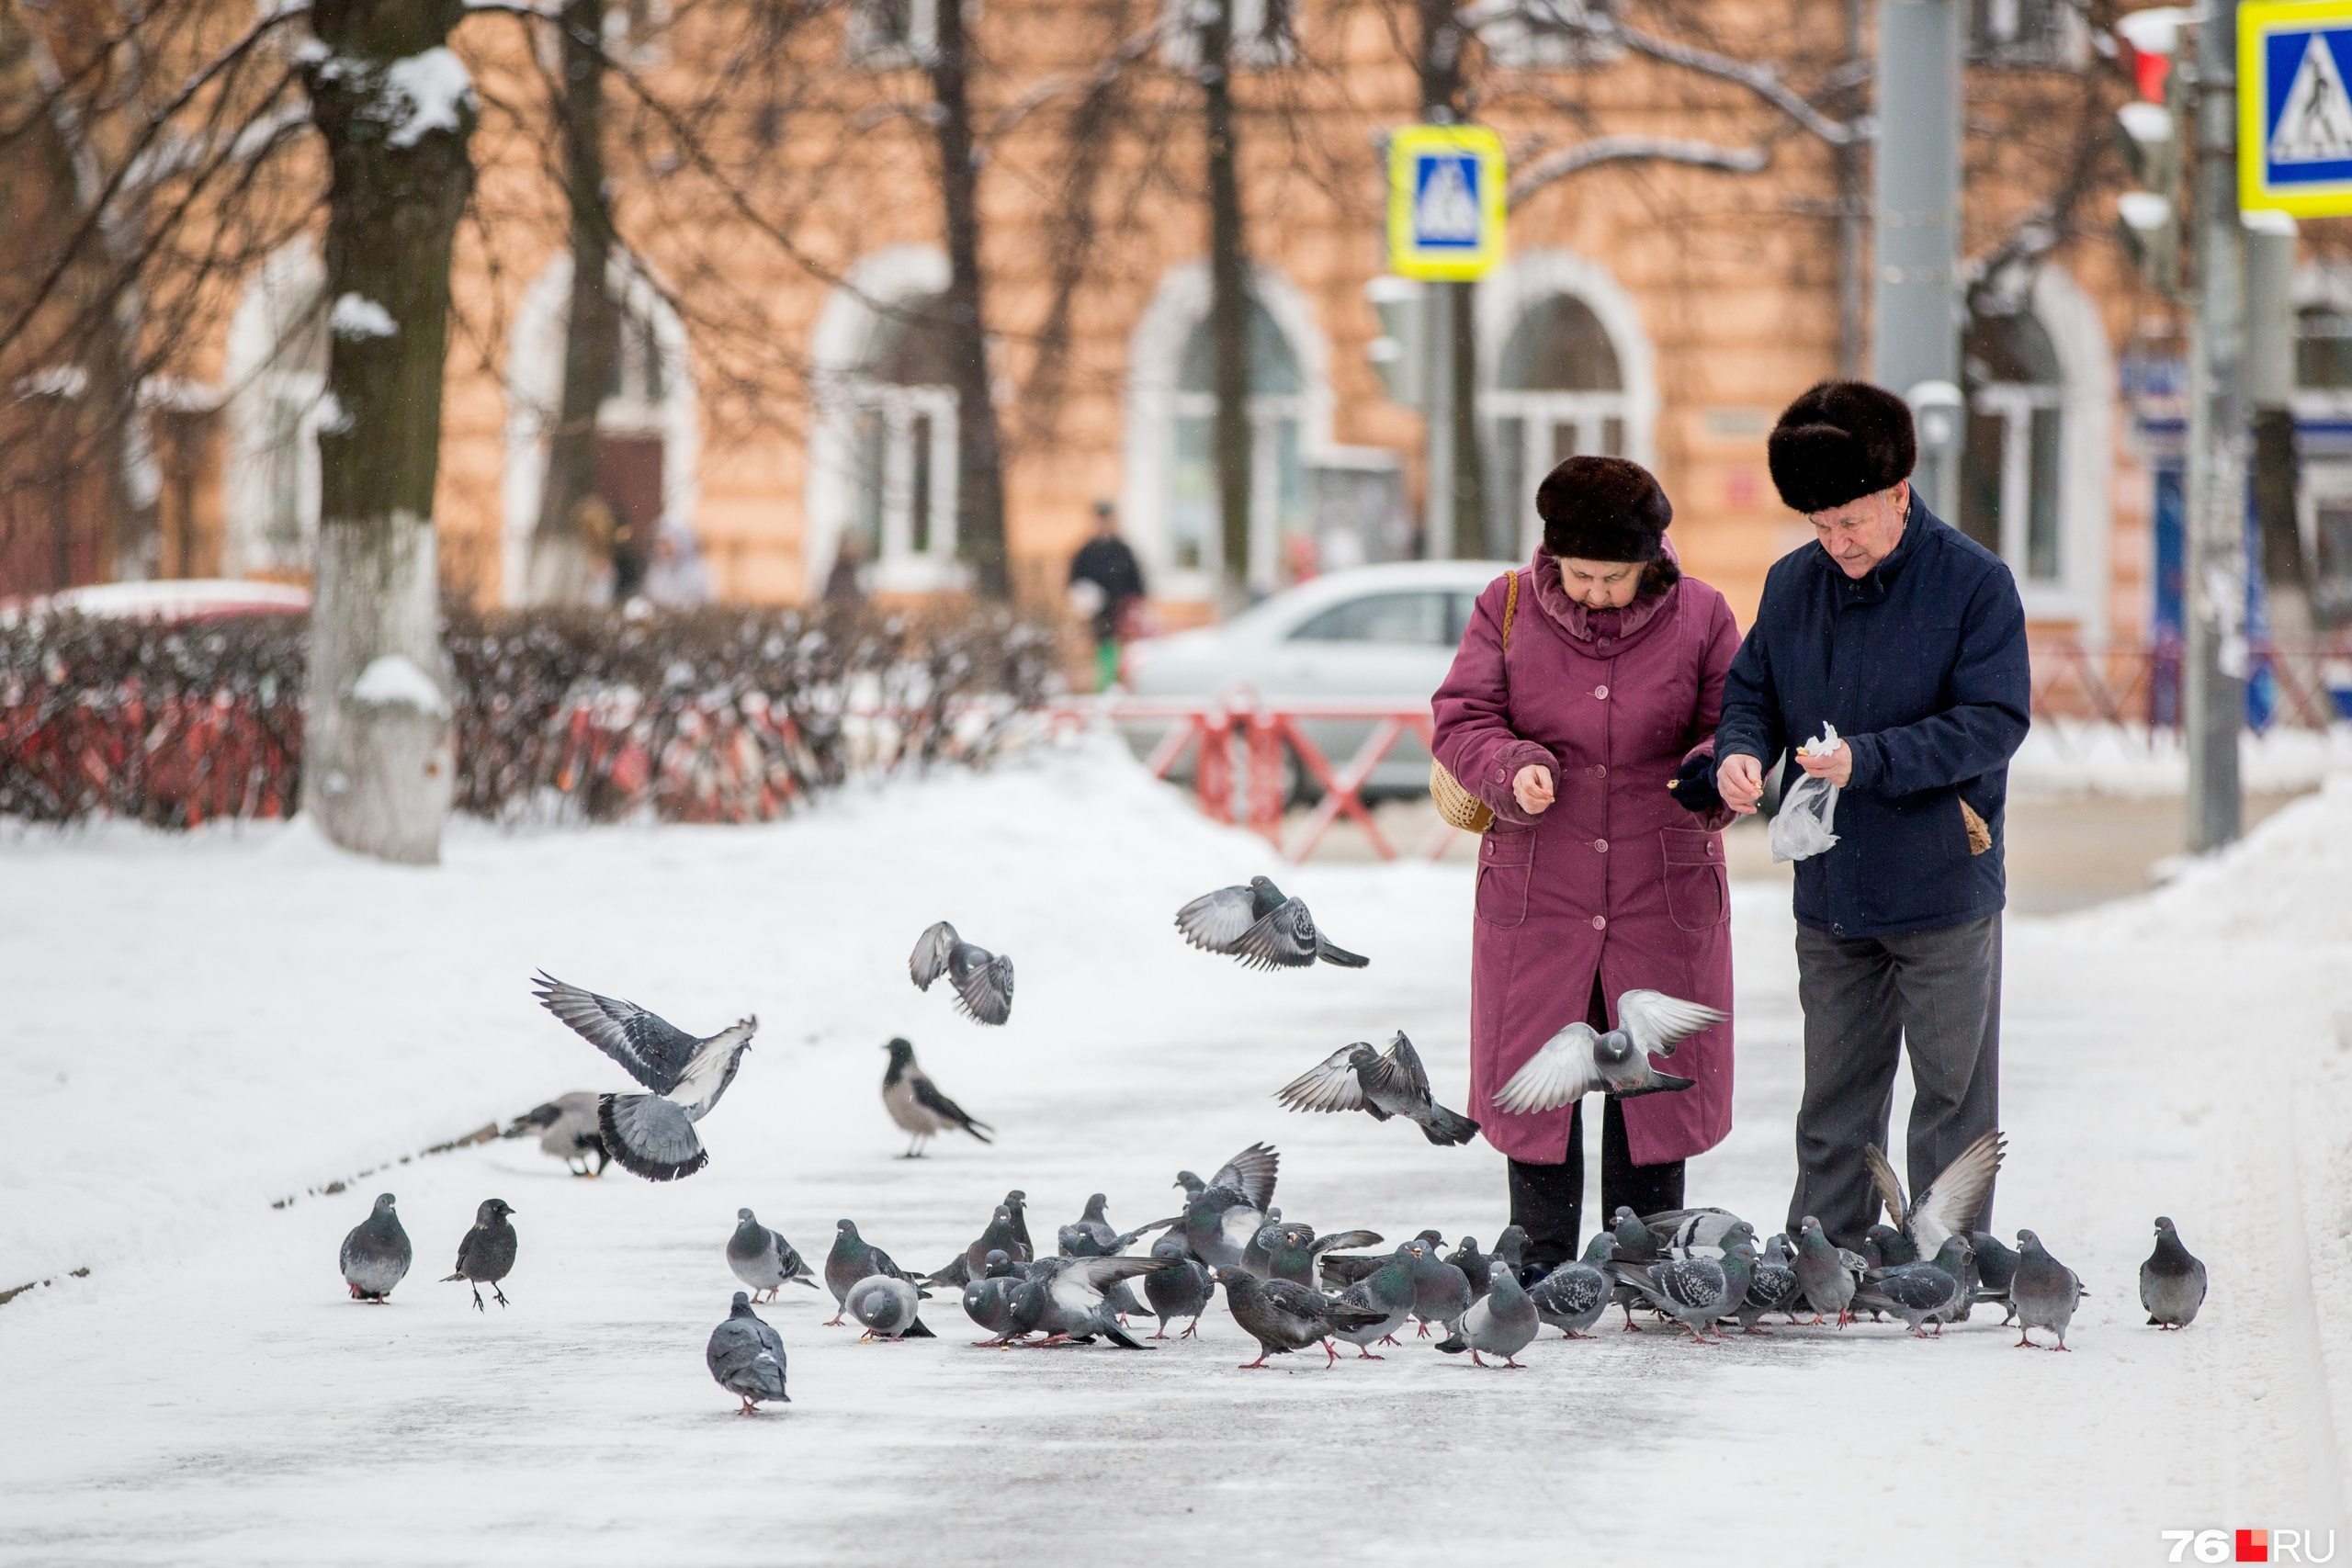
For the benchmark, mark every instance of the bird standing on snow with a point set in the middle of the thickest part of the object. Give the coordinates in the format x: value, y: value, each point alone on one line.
x: 1441, y: 1292
x: 1387, y: 1289
x: 854, y: 1259
x: 1091, y: 1235
x: 1262, y: 926
x: 1827, y: 1275
x: 1502, y: 1322
x: 1697, y: 1291
x: 1178, y: 1292
x: 1385, y: 1083
x: 1572, y: 1297
x: 983, y: 981
x: 1952, y: 1202
x: 761, y: 1258
x: 1283, y: 1317
x: 1295, y: 1247
x: 1771, y: 1287
x: 988, y: 1300
x: 1076, y: 1308
x: 567, y: 1129
x: 486, y: 1256
x: 746, y: 1358
x: 2044, y: 1291
x: 376, y: 1254
x: 1578, y: 1061
x: 887, y: 1306
x: 653, y: 1135
x: 1916, y: 1292
x: 915, y: 1103
x: 2172, y: 1282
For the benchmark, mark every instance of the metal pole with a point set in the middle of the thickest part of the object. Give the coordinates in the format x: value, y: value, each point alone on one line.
x: 1915, y: 193
x: 1440, y: 489
x: 2215, y: 703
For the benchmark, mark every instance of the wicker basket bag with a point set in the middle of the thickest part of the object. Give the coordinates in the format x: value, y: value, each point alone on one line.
x: 1457, y: 806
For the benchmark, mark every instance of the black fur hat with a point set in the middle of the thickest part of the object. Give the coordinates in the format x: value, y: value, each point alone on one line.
x: 1838, y: 441
x: 1602, y: 509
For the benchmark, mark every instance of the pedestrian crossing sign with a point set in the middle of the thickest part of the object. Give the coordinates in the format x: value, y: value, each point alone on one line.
x: 2294, y: 114
x: 1445, y: 200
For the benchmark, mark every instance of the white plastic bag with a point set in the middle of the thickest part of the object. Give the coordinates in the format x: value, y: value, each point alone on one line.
x: 1801, y: 827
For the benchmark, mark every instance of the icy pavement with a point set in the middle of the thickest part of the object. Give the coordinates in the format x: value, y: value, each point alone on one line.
x: 200, y: 1027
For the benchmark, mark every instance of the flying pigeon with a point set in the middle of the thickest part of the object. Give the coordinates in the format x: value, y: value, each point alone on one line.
x: 1178, y: 1292
x: 1283, y: 1317
x: 2172, y: 1282
x: 1827, y: 1275
x: 653, y: 1135
x: 2044, y: 1291
x: 1502, y: 1322
x: 376, y: 1254
x: 1076, y: 1308
x: 486, y: 1254
x: 854, y: 1259
x: 915, y: 1103
x: 1952, y: 1202
x: 761, y: 1258
x: 1262, y: 926
x: 1384, y: 1083
x: 1389, y: 1289
x: 1696, y: 1292
x: 1223, y: 1214
x: 1572, y: 1297
x: 1578, y: 1061
x: 983, y: 981
x: 567, y: 1129
x: 746, y: 1357
x: 988, y: 1300
x: 1915, y: 1292
x: 888, y: 1307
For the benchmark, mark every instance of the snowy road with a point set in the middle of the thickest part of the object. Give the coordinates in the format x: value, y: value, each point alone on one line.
x: 199, y: 1028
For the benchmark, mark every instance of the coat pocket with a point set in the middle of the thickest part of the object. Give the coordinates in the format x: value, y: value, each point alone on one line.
x: 1506, y: 864
x: 1698, y: 888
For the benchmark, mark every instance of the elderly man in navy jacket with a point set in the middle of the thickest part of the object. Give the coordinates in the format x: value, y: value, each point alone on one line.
x: 1910, y: 638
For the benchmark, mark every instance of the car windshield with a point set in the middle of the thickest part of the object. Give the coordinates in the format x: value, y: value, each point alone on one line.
x: 1425, y: 617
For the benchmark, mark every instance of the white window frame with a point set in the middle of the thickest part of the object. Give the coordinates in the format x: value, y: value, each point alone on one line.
x: 1539, y: 414
x: 877, y: 50
x: 2014, y: 403
x: 260, y: 382
x: 897, y: 558
x: 1181, y: 23
x: 1531, y: 35
x: 1268, y: 413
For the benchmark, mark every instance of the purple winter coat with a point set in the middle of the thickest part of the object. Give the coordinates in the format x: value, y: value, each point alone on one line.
x: 1614, y: 878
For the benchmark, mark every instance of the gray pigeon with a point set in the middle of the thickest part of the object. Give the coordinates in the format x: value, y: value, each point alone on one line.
x: 1259, y: 1256
x: 1385, y: 1084
x: 1389, y: 1289
x: 1578, y: 1061
x: 567, y: 1129
x: 915, y: 1103
x: 854, y: 1259
x: 2044, y: 1291
x: 2172, y: 1282
x: 486, y: 1254
x: 1283, y: 1317
x: 1827, y: 1275
x: 1294, y: 1249
x: 1262, y: 926
x: 1340, y: 1270
x: 1917, y: 1293
x: 1694, y: 1233
x: 982, y: 980
x: 998, y: 1235
x: 1178, y: 1292
x: 1996, y: 1266
x: 1472, y: 1264
x: 1502, y: 1322
x: 1441, y: 1292
x: 1076, y: 1308
x: 887, y: 1306
x: 1887, y: 1247
x: 1772, y: 1287
x: 1091, y: 1235
x: 1224, y: 1215
x: 1697, y: 1291
x: 988, y: 1300
x: 376, y: 1254
x: 746, y: 1358
x: 653, y: 1135
x: 1951, y: 1204
x: 761, y: 1258
x: 1572, y: 1297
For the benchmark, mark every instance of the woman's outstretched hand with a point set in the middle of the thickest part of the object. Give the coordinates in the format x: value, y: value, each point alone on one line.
x: 1534, y: 788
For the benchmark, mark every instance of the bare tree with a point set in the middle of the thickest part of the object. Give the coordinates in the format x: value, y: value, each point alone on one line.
x: 979, y: 449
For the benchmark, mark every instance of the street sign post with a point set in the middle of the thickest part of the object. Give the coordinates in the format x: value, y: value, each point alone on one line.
x: 1445, y: 201
x: 2294, y: 114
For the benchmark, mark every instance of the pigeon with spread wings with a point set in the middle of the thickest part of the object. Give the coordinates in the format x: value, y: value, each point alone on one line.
x: 1383, y: 1083
x: 651, y: 1134
x: 1579, y: 1061
x: 1950, y: 1204
x: 983, y: 980
x: 1262, y: 926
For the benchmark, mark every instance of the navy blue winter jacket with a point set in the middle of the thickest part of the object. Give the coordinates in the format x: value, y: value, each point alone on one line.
x: 1921, y: 665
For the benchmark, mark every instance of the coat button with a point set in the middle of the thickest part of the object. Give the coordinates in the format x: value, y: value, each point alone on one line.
x: 1600, y: 770
x: 1598, y: 922
x: 1836, y: 931
x: 1600, y: 846
x: 1601, y: 691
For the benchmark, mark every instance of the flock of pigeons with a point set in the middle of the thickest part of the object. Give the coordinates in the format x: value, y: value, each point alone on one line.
x: 1286, y: 1286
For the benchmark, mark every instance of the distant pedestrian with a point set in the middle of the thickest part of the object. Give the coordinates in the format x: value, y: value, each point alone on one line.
x: 676, y: 575
x: 842, y: 586
x: 1909, y: 639
x: 1106, y: 586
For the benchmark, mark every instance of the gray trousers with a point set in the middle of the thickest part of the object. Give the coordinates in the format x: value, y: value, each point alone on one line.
x: 1937, y: 992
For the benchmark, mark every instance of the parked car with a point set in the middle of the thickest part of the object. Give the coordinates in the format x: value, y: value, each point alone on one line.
x: 1375, y: 633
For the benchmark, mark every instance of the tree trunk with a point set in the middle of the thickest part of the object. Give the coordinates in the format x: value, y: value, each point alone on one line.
x: 1228, y: 305
x: 395, y: 112
x: 2286, y: 581
x: 563, y: 568
x: 979, y: 446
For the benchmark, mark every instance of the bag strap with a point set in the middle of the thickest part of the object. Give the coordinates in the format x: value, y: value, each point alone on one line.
x: 1510, y: 609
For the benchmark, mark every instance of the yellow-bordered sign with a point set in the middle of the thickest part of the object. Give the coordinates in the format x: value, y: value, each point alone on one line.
x: 2294, y: 114
x: 1445, y: 201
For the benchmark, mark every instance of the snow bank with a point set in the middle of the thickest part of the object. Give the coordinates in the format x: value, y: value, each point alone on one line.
x: 2071, y: 757
x: 2290, y: 881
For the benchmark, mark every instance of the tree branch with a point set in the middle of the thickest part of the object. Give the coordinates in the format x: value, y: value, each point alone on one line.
x: 1568, y: 161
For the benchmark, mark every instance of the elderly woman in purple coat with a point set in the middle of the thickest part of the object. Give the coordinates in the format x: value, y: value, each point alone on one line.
x: 1588, y: 727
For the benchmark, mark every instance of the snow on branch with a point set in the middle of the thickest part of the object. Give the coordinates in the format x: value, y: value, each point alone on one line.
x: 1568, y: 161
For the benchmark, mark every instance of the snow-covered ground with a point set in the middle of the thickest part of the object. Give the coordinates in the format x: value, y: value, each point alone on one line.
x: 199, y: 1028
x: 2063, y: 758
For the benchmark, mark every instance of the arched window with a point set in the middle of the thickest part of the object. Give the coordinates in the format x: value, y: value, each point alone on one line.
x: 276, y: 373
x: 904, y: 401
x: 2011, y: 479
x: 1277, y: 468
x: 1559, y: 391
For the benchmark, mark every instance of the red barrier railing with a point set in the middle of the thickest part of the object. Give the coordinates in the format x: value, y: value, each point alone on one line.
x: 2140, y: 682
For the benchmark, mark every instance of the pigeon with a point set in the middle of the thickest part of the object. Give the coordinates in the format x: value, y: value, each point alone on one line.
x: 1018, y: 1201
x: 971, y: 1263
x: 1258, y: 1256
x: 1694, y: 1233
x: 1578, y: 1061
x: 1389, y: 1288
x: 1340, y: 1270
x: 1696, y: 1292
x: 1918, y: 1291
x: 376, y: 1254
x: 1572, y: 1297
x: 1441, y: 1292
x: 567, y: 1129
x: 1222, y: 1215
x: 1771, y: 1287
x: 1385, y: 1084
x: 1178, y: 1292
x: 1502, y: 1322
x: 2172, y: 1282
x: 651, y: 1134
x: 2044, y: 1291
x: 983, y: 981
x: 1296, y: 1246
x: 915, y: 1103
x: 1827, y: 1275
x: 1091, y: 1236
x: 1510, y: 1246
x: 764, y: 1259
x: 1637, y: 1247
x: 746, y: 1358
x: 1283, y: 1317
x: 988, y: 1300
x: 888, y: 1307
x: 1887, y: 1247
x: 852, y: 1259
x: 1262, y: 926
x: 486, y: 1254
x: 1996, y: 1266
x: 1952, y: 1203
x: 1472, y: 1264
x: 1076, y: 1308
